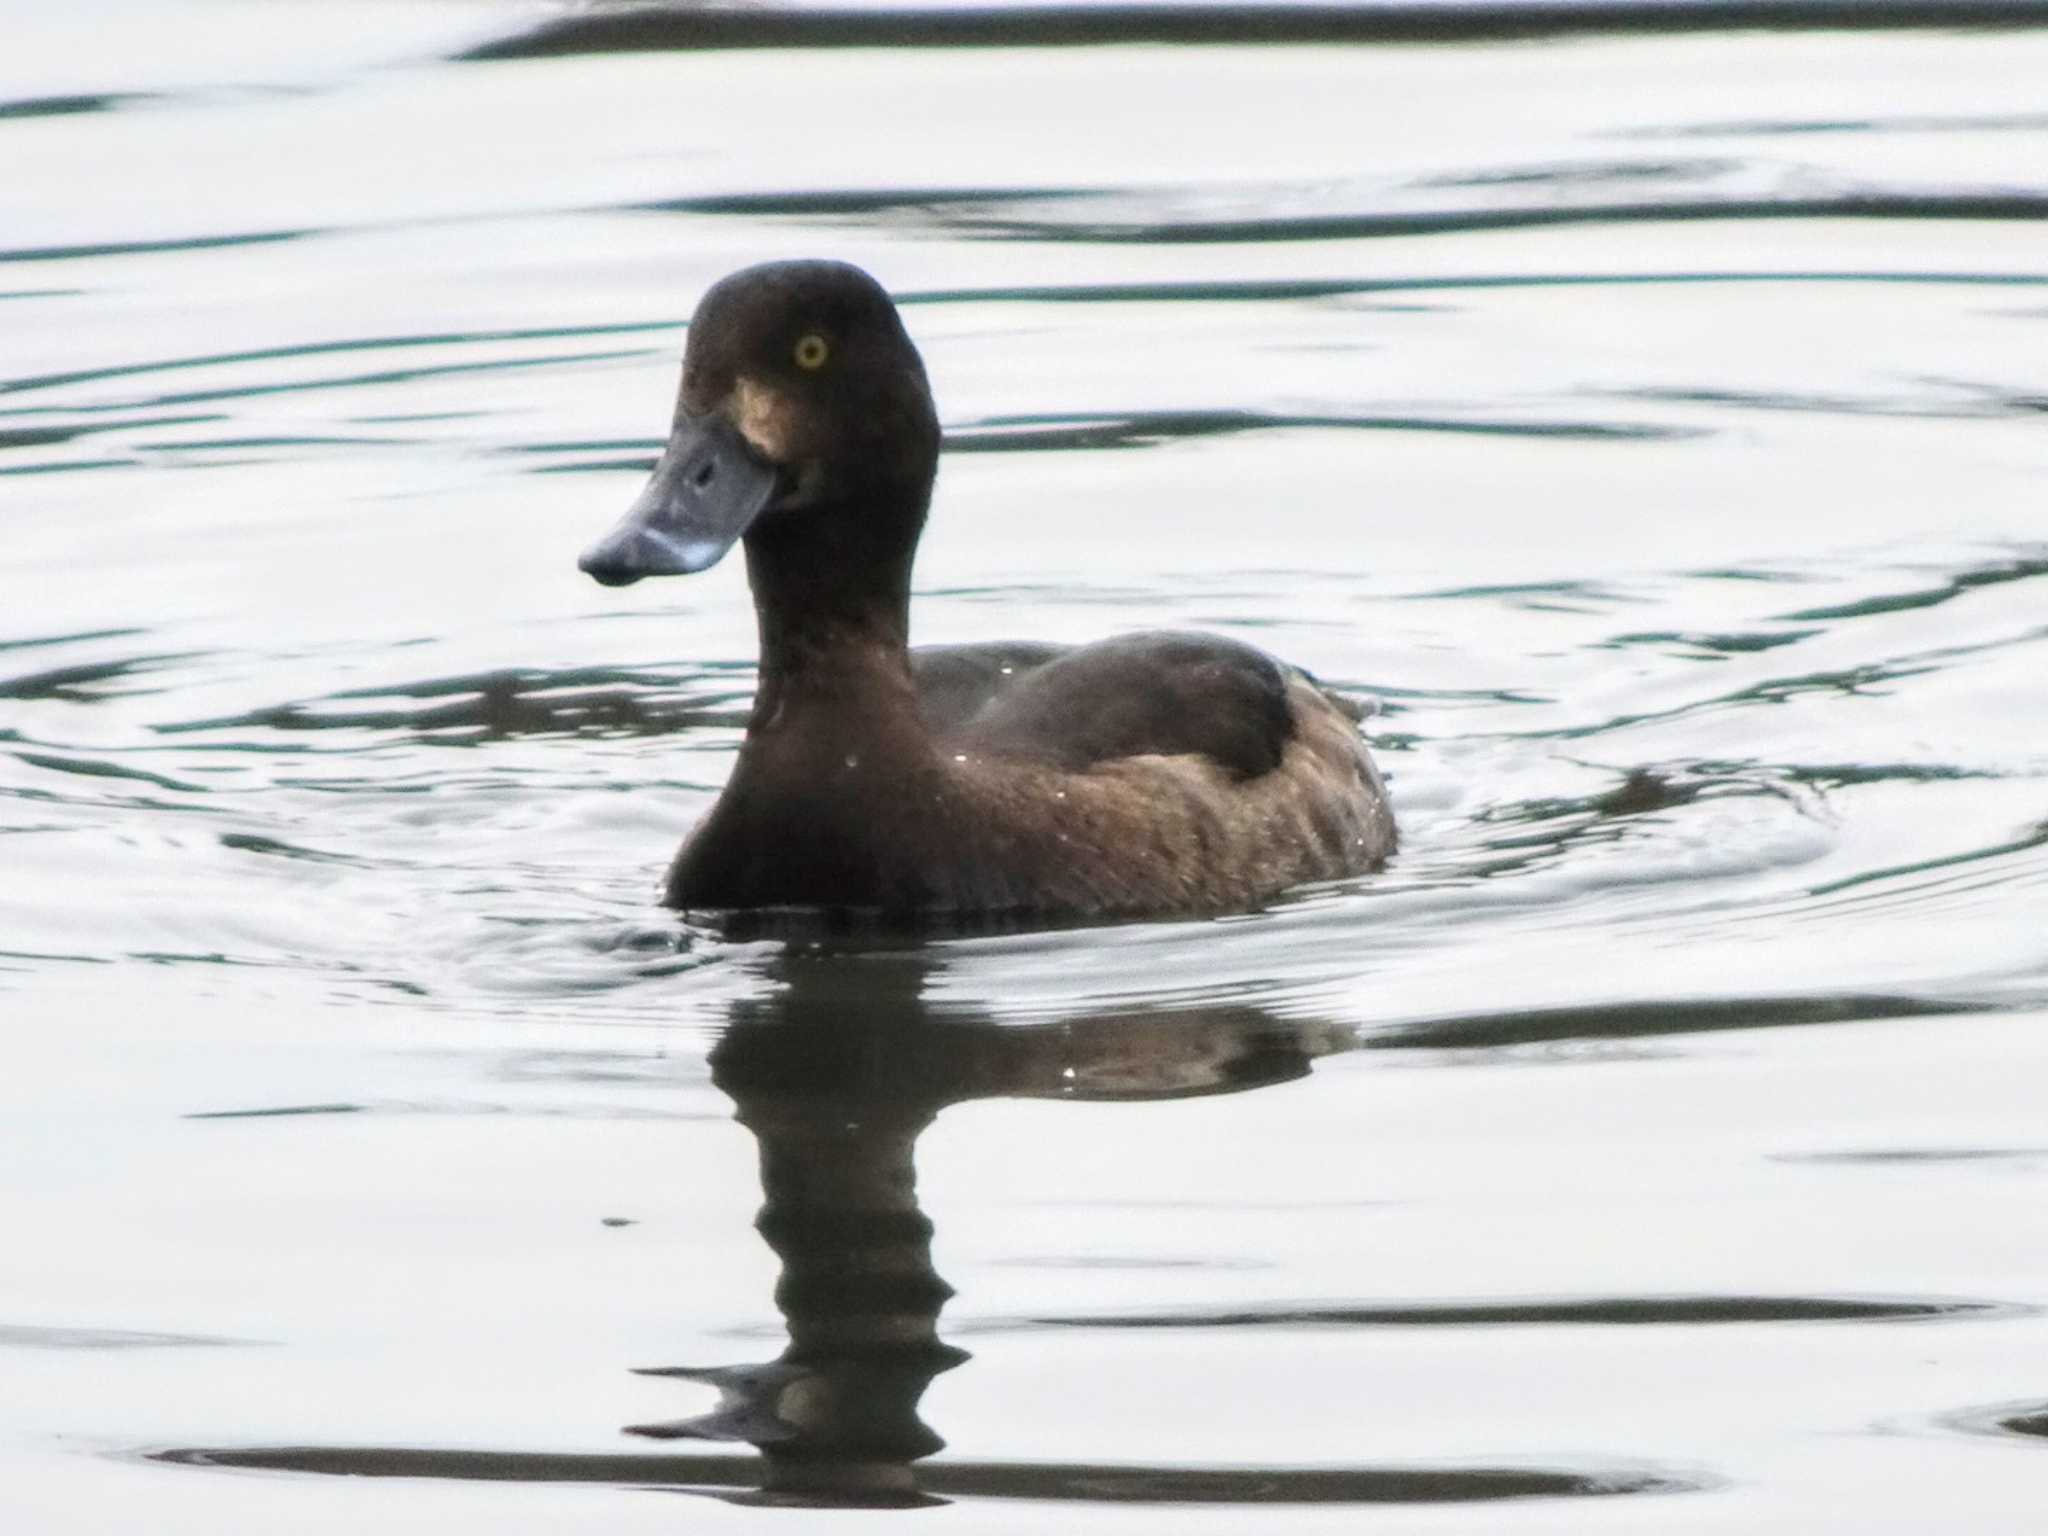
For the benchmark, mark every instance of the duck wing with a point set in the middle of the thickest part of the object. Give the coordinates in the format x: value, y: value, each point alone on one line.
x: 1161, y: 693
x: 957, y: 682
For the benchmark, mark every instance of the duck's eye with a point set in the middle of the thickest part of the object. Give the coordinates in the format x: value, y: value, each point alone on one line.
x: 811, y: 352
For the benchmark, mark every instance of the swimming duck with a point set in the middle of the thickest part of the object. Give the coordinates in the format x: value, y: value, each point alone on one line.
x: 1150, y: 774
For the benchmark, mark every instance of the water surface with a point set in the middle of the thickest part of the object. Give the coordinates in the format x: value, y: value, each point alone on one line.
x: 1650, y: 418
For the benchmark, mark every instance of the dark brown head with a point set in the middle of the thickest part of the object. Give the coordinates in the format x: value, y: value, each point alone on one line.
x: 804, y: 416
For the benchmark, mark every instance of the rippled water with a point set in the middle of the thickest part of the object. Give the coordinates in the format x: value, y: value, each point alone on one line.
x: 1652, y: 422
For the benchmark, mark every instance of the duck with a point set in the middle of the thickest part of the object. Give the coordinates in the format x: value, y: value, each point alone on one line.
x: 1153, y: 774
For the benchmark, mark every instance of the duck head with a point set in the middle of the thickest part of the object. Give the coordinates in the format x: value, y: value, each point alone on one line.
x: 804, y: 418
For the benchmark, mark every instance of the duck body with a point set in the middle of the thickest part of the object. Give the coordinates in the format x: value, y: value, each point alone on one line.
x: 1150, y: 774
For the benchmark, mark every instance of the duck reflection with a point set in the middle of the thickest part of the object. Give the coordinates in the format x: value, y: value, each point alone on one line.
x: 837, y: 1072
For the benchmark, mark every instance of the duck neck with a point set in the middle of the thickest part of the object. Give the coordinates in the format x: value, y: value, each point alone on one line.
x: 833, y: 607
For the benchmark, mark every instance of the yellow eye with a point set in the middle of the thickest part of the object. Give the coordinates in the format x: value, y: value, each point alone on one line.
x: 811, y: 352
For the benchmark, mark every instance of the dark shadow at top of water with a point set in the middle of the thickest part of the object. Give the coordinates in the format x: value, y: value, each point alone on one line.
x: 671, y: 28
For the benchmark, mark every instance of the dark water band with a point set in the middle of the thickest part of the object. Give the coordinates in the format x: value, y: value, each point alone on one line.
x: 659, y: 28
x: 1053, y: 1481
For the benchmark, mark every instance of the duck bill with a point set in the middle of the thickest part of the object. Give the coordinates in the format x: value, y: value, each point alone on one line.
x: 706, y: 490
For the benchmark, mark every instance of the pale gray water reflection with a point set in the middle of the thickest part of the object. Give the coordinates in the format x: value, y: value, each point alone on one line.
x: 1643, y: 405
